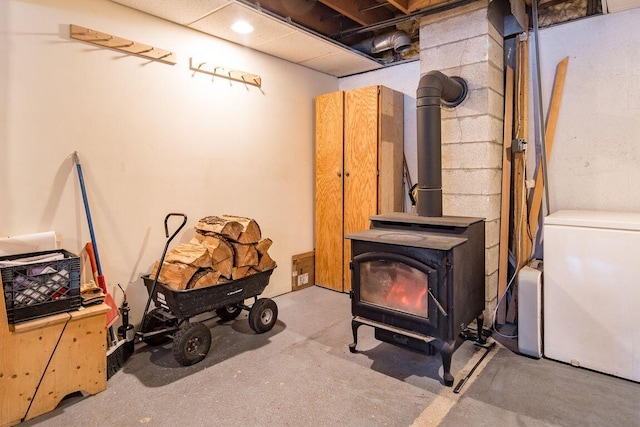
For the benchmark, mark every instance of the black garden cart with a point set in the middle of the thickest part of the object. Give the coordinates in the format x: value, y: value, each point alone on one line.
x: 173, y: 308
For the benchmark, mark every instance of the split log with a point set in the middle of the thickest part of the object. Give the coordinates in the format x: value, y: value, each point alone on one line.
x: 250, y: 229
x: 263, y: 246
x: 266, y: 262
x: 236, y: 228
x: 219, y: 248
x: 240, y: 272
x: 224, y: 267
x: 176, y: 276
x: 244, y: 255
x: 207, y: 278
x: 214, y: 224
x: 195, y: 254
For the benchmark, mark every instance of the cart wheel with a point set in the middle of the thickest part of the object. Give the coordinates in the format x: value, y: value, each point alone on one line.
x: 152, y: 323
x: 229, y: 312
x: 263, y: 315
x: 191, y: 343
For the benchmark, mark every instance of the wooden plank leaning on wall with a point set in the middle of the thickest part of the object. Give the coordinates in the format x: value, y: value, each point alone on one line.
x: 522, y: 241
x: 549, y: 134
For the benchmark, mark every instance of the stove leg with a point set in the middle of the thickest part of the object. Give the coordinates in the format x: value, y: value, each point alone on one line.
x: 480, y: 321
x: 354, y: 327
x: 446, y: 351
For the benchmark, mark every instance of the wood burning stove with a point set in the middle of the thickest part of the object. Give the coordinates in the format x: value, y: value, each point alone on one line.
x: 419, y: 281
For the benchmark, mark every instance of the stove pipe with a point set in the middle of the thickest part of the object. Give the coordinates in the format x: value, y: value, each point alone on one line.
x: 435, y: 89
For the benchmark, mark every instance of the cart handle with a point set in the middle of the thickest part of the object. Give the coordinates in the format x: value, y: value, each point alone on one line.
x: 166, y: 225
x: 164, y: 253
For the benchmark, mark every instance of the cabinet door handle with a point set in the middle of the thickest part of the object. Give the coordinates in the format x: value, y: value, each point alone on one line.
x: 339, y: 174
x: 346, y: 174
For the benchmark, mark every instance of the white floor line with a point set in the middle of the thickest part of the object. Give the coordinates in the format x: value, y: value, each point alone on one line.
x: 446, y: 399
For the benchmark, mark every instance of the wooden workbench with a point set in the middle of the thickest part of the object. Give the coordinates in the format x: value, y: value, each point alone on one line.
x: 43, y: 360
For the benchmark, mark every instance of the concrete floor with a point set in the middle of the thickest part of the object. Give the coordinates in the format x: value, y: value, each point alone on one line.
x: 301, y: 373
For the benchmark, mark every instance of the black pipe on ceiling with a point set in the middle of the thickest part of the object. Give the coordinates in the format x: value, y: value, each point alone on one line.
x: 434, y: 90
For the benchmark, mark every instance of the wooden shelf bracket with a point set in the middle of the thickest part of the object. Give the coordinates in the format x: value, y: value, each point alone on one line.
x: 235, y: 75
x: 118, y: 43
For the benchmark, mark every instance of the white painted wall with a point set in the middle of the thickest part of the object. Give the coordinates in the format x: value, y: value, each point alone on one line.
x: 402, y: 78
x: 596, y: 153
x: 153, y: 138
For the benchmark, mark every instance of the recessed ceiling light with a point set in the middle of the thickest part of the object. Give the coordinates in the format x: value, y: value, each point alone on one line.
x: 242, y: 27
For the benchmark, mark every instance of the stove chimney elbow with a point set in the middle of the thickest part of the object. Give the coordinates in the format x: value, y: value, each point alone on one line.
x: 450, y: 91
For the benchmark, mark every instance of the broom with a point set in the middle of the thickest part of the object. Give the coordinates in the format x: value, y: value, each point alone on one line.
x: 115, y: 356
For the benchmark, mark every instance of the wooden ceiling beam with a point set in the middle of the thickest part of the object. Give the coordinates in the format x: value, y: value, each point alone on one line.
x: 401, y: 5
x: 415, y: 5
x: 352, y: 10
x: 312, y: 15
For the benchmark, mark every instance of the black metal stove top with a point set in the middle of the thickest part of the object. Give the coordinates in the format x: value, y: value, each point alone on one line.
x: 408, y: 219
x: 416, y: 239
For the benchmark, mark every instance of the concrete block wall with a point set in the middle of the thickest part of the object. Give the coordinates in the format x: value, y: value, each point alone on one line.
x: 462, y: 42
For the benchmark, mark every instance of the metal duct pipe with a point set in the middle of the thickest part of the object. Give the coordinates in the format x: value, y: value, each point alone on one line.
x: 399, y: 41
x: 434, y: 90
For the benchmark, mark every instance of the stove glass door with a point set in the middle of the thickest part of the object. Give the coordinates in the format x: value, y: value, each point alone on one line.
x: 394, y: 285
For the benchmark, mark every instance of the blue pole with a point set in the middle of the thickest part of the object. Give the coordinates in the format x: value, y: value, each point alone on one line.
x: 76, y: 159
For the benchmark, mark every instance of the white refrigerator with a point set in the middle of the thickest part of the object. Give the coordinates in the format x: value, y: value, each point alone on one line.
x: 591, y: 291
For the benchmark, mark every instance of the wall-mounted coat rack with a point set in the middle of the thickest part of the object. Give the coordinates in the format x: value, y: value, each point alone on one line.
x: 107, y: 40
x: 237, y: 75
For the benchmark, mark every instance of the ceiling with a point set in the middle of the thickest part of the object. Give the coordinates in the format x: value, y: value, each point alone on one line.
x: 336, y: 36
x: 324, y: 35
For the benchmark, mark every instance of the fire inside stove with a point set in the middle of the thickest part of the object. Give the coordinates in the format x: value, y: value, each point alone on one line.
x: 394, y: 285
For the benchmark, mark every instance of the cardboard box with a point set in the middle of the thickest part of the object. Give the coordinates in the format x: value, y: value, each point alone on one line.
x: 302, y: 271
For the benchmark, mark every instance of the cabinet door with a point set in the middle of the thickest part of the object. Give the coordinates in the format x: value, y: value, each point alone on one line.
x: 329, y: 201
x: 390, y: 151
x: 360, y: 165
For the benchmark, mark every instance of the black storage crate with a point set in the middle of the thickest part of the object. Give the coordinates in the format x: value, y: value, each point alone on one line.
x: 40, y: 289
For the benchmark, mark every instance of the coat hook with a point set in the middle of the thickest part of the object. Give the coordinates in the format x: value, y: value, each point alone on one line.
x: 129, y: 46
x: 227, y: 73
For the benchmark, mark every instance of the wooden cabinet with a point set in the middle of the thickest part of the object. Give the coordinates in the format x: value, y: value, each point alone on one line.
x: 43, y: 360
x: 359, y: 161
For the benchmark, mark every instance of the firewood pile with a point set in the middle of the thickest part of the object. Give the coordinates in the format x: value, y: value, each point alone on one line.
x: 224, y: 248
